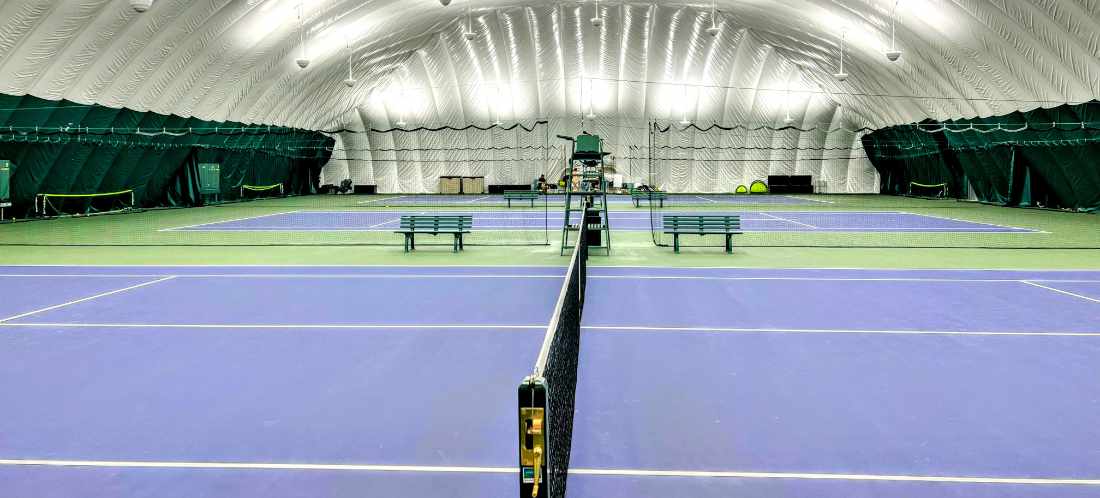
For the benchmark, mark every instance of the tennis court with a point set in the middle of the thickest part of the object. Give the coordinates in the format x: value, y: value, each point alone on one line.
x: 641, y: 220
x: 559, y: 199
x: 943, y: 383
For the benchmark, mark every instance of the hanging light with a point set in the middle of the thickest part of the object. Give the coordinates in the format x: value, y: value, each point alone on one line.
x: 841, y: 75
x: 894, y: 54
x: 713, y: 30
x: 302, y: 61
x: 400, y: 123
x: 597, y: 21
x: 350, y: 82
x: 141, y: 5
x: 469, y: 31
x: 788, y: 120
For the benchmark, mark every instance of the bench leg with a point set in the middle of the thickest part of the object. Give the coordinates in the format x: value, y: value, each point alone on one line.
x: 729, y: 243
x: 509, y: 202
x: 637, y: 203
x: 532, y: 203
x: 454, y: 247
x: 461, y: 243
x: 661, y: 203
x: 676, y: 243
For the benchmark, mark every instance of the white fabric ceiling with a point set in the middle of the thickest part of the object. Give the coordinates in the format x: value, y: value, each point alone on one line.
x: 235, y: 60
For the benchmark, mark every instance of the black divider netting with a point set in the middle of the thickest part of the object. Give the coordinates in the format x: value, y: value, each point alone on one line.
x: 287, y: 198
x: 553, y: 385
x: 724, y: 172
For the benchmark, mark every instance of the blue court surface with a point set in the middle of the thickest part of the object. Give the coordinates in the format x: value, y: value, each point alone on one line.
x: 401, y: 381
x: 517, y: 219
x: 559, y: 199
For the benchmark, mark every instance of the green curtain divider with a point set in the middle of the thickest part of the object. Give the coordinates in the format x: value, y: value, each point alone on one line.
x: 64, y: 147
x: 1043, y: 157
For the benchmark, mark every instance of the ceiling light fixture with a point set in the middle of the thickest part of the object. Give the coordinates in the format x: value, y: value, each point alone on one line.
x: 788, y: 119
x: 713, y: 30
x: 350, y: 82
x: 302, y: 61
x: 894, y: 54
x: 841, y: 75
x: 597, y: 21
x: 469, y: 32
x: 141, y: 5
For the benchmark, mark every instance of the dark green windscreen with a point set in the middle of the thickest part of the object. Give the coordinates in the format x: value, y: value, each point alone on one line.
x: 63, y: 147
x: 1039, y: 158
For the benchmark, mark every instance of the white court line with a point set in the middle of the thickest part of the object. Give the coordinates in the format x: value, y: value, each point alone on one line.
x: 970, y: 221
x: 387, y: 222
x: 808, y: 199
x: 308, y: 275
x: 251, y: 466
x: 578, y: 471
x: 1060, y: 291
x: 775, y: 269
x: 542, y: 327
x: 836, y: 279
x: 478, y: 199
x: 788, y: 221
x: 268, y: 326
x: 215, y: 222
x: 542, y: 267
x: 505, y: 228
x: 494, y: 228
x: 382, y: 200
x: 909, y: 229
x: 628, y: 277
x: 838, y: 477
x: 625, y: 277
x: 708, y: 200
x: 89, y: 298
x: 733, y: 330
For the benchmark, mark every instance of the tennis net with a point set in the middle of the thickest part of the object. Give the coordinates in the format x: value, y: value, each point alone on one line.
x: 261, y: 191
x: 50, y: 205
x: 546, y: 398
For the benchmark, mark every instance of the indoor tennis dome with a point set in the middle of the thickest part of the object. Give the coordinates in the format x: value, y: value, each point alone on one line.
x: 797, y: 87
x: 549, y: 249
